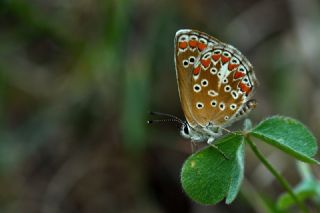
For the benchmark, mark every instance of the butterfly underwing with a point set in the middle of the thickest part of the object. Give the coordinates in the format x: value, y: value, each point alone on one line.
x: 216, y: 83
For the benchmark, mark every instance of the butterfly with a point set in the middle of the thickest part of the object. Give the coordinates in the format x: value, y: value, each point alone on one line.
x: 216, y: 83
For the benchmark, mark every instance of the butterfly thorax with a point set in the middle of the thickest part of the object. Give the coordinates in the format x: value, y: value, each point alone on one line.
x: 199, y: 133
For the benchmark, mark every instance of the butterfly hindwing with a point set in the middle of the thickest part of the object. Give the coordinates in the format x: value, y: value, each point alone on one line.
x: 226, y: 82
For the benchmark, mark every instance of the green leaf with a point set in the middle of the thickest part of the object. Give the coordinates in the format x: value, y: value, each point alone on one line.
x: 207, y: 176
x: 237, y: 174
x: 289, y: 135
x: 307, y: 189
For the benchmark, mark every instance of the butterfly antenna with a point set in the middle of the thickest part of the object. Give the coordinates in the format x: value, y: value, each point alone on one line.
x: 163, y: 120
x: 168, y: 115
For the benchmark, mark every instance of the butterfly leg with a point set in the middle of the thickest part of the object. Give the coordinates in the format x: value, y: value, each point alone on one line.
x: 226, y: 130
x: 214, y: 133
x: 193, y: 146
x: 210, y: 142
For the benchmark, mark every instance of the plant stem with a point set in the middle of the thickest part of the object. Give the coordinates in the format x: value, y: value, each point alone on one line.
x: 277, y: 175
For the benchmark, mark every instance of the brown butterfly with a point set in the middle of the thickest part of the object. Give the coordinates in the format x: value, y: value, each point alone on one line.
x: 215, y: 82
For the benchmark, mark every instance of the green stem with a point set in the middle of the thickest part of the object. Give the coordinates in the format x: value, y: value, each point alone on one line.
x: 277, y: 175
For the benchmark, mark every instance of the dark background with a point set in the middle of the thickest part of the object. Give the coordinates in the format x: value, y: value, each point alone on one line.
x: 78, y: 77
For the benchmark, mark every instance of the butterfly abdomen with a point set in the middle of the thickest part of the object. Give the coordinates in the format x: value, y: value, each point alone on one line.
x: 247, y: 107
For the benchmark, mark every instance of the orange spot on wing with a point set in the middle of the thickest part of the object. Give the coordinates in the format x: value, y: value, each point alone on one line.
x: 224, y: 59
x: 196, y: 70
x: 232, y: 66
x: 183, y: 44
x: 244, y: 88
x: 201, y: 46
x: 238, y: 75
x: 216, y: 57
x: 206, y: 63
x: 193, y: 43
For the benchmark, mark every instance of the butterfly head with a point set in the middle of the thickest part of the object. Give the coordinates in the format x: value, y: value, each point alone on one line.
x: 185, y: 127
x: 185, y: 130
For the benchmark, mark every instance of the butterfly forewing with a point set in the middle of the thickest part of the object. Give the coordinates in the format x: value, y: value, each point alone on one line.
x: 217, y: 87
x: 189, y: 45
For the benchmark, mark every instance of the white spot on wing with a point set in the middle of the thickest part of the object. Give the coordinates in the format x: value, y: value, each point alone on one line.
x: 225, y: 80
x: 204, y: 82
x: 233, y: 106
x: 223, y: 73
x: 194, y: 37
x: 234, y: 94
x: 222, y: 106
x: 211, y: 44
x: 213, y: 93
x: 192, y: 59
x: 206, y: 56
x: 242, y: 69
x: 185, y: 63
x: 202, y: 40
x: 217, y: 52
x: 226, y: 54
x: 213, y: 70
x: 182, y: 31
x: 213, y: 103
x: 196, y: 88
x: 234, y: 60
x: 183, y: 38
x: 227, y: 88
x: 199, y: 105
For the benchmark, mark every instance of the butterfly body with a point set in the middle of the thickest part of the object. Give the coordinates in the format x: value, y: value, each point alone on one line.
x: 216, y: 84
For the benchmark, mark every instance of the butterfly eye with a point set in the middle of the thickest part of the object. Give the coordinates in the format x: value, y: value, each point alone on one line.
x: 235, y: 61
x: 217, y: 52
x: 186, y: 130
x: 226, y: 54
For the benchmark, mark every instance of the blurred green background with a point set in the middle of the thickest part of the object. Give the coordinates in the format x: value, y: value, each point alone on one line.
x: 77, y: 79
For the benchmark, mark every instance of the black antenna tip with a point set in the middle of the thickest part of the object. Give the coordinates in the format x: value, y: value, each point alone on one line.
x: 149, y: 122
x: 151, y: 113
